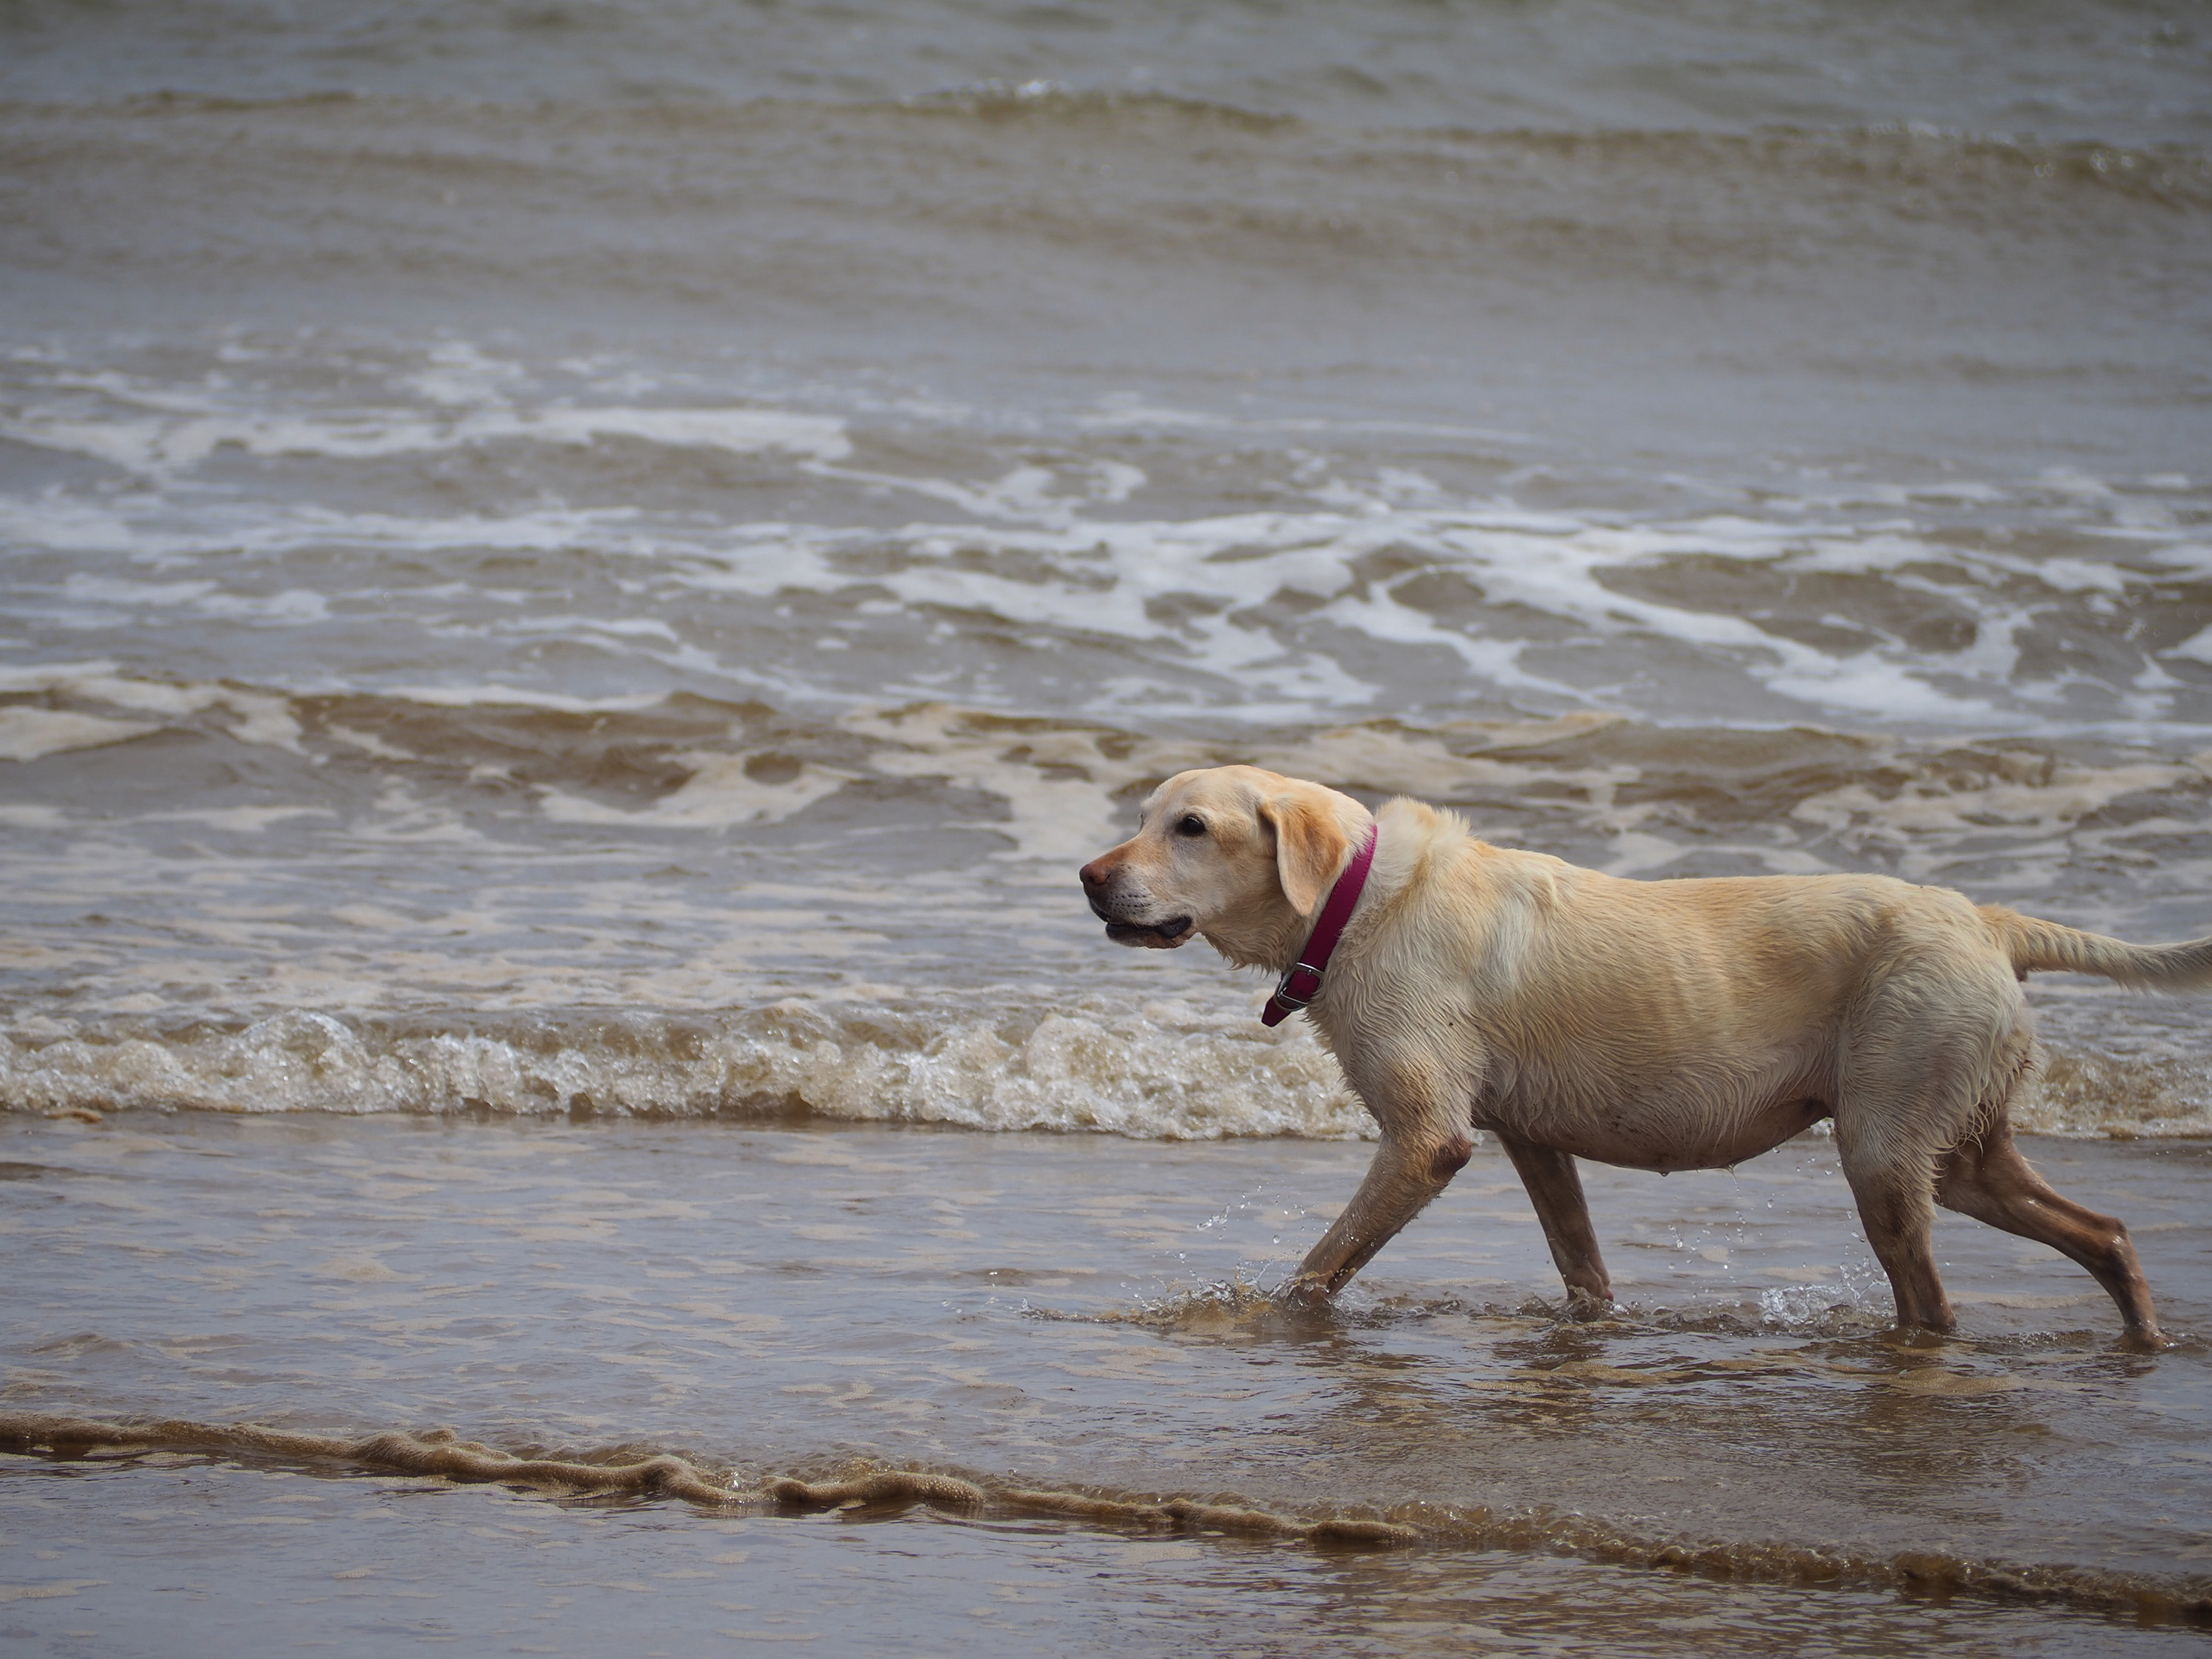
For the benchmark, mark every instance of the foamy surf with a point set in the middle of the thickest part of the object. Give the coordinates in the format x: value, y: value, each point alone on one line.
x: 409, y: 899
x: 1909, y: 602
x: 1156, y: 1073
x: 1167, y: 1071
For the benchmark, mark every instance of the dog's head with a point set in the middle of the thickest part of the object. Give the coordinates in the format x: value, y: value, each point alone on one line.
x: 1241, y: 855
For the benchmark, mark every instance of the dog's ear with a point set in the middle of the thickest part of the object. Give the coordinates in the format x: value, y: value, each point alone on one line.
x: 1310, y: 845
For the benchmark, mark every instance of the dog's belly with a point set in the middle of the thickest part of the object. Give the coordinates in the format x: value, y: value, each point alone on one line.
x: 1662, y: 1136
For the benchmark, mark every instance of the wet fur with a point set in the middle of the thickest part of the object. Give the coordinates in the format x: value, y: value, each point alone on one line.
x: 1655, y: 1024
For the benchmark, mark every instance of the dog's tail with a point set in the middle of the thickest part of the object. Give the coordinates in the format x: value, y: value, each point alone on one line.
x: 2035, y: 945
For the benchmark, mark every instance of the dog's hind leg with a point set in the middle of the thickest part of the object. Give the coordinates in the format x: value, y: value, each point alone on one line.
x: 1931, y: 1060
x: 1893, y: 1178
x: 1988, y: 1179
x: 1895, y: 1208
x: 1555, y: 1188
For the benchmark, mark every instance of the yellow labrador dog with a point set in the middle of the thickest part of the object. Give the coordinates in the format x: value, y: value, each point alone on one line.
x: 1655, y: 1024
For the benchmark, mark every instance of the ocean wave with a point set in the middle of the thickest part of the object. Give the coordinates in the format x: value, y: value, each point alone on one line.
x: 1153, y: 1075
x: 1704, y: 65
x: 2173, y: 174
x: 2008, y: 816
x: 1358, y: 575
x: 1371, y: 591
x: 999, y: 101
x: 2093, y: 835
x: 1189, y: 187
x: 154, y: 440
x: 1164, y: 1071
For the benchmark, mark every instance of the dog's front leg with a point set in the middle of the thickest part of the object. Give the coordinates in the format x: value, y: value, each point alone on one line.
x: 1426, y: 1142
x: 1405, y: 1176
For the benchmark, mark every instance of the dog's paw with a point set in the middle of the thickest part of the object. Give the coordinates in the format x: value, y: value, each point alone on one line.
x: 1582, y: 1308
x: 1306, y: 1294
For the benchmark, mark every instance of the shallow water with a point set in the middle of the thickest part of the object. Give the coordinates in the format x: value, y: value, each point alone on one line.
x: 575, y: 581
x: 207, y: 1554
x: 1077, y: 1314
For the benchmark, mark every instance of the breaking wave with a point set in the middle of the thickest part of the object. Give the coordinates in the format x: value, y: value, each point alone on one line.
x: 1153, y: 1074
x: 1166, y: 1070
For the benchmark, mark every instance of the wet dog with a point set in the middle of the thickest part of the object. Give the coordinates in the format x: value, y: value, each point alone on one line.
x: 1661, y: 1025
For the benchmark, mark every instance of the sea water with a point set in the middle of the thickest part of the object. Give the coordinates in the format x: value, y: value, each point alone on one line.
x: 577, y: 579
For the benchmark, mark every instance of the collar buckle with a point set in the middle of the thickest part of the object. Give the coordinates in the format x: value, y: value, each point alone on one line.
x: 1290, y: 1000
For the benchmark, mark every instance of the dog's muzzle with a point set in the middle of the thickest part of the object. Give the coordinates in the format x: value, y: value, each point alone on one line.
x: 1150, y: 935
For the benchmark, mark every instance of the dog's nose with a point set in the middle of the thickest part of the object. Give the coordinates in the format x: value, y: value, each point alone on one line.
x: 1094, y: 873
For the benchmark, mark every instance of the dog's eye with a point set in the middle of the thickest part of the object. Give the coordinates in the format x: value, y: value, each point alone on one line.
x: 1190, y: 824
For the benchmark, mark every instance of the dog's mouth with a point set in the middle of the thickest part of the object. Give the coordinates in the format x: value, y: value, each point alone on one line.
x: 1152, y: 936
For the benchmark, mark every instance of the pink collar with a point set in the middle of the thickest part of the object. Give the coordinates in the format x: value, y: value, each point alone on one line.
x: 1302, y: 983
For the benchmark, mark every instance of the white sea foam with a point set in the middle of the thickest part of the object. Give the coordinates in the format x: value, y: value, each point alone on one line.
x: 1200, y: 586
x: 722, y: 791
x: 1163, y: 1071
x: 259, y: 717
x: 1149, y: 1074
x: 27, y: 734
x: 2014, y: 819
x: 1257, y: 614
x: 168, y: 430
